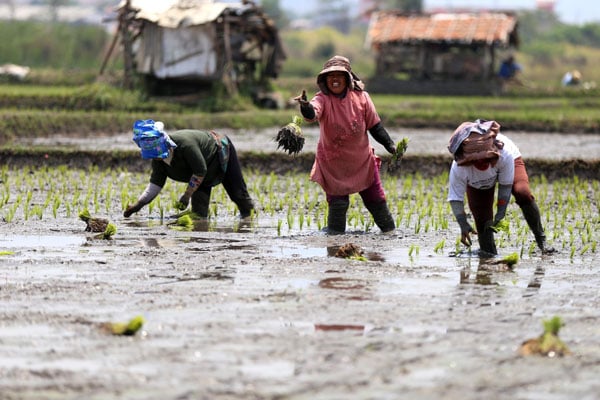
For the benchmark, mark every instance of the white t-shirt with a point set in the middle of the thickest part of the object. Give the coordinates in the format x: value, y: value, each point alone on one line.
x: 503, y: 172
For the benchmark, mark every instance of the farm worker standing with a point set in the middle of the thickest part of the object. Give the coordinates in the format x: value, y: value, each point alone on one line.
x: 202, y: 159
x: 345, y: 161
x: 483, y: 157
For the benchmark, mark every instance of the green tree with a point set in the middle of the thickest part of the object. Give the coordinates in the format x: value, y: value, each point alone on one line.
x: 402, y: 5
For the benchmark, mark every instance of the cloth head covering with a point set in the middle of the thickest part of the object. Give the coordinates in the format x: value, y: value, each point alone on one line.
x: 342, y: 64
x: 151, y: 139
x: 473, y: 141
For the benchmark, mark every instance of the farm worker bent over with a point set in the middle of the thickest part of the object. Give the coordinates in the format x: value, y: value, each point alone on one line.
x: 202, y: 159
x: 345, y: 162
x: 482, y: 157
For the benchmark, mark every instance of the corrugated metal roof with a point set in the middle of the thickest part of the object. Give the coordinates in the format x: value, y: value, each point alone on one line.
x: 173, y: 13
x: 465, y: 28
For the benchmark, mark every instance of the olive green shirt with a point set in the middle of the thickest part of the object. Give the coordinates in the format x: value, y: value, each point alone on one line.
x: 195, y: 154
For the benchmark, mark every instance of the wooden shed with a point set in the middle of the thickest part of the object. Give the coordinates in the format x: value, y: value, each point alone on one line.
x: 188, y: 43
x: 439, y: 53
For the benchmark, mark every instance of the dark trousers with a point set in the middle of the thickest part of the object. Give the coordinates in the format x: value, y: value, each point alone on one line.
x: 234, y: 184
x: 481, y: 201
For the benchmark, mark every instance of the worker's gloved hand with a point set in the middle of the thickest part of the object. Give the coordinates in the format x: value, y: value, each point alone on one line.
x: 499, y: 216
x: 183, y: 202
x: 302, y: 99
x: 465, y: 236
x: 132, y: 209
x: 465, y: 232
x: 391, y: 148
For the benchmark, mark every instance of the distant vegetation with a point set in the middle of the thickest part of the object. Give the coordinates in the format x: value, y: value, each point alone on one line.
x: 548, y: 49
x: 63, y: 93
x: 52, y: 45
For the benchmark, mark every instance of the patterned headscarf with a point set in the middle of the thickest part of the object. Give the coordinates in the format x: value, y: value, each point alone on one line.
x: 473, y: 141
x: 151, y: 139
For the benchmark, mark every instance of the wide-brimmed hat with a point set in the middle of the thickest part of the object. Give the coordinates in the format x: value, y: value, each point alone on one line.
x: 150, y: 137
x: 339, y: 64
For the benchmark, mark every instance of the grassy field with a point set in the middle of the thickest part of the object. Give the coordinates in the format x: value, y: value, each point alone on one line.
x: 40, y: 110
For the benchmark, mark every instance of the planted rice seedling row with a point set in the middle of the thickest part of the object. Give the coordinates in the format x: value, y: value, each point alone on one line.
x: 291, y: 203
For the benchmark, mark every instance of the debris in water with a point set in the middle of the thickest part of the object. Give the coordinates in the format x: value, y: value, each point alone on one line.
x: 93, y: 224
x: 351, y: 251
x: 504, y: 264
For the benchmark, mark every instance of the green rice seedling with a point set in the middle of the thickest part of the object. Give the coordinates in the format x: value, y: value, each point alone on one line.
x: 290, y: 219
x: 184, y: 222
x: 511, y: 259
x: 109, y: 232
x: 501, y: 226
x: 129, y: 328
x: 521, y: 252
x: 532, y: 247
x: 55, y: 206
x: 6, y: 253
x: 584, y: 249
x: 439, y: 247
x: 10, y: 213
x: 548, y: 343
x: 38, y: 211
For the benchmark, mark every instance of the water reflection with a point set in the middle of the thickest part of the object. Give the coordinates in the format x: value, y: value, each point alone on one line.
x: 357, y: 289
x: 535, y: 283
x: 40, y: 241
x: 339, y: 327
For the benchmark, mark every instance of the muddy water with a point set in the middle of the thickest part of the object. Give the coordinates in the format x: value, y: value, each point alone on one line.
x: 234, y: 311
x: 538, y: 145
x: 238, y: 310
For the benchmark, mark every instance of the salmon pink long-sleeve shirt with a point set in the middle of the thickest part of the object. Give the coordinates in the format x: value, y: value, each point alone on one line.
x: 344, y: 162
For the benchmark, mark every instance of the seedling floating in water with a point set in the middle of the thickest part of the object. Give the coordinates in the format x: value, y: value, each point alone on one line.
x: 547, y: 344
x: 511, y: 259
x: 93, y: 224
x: 350, y: 251
x: 124, y: 328
x: 109, y: 232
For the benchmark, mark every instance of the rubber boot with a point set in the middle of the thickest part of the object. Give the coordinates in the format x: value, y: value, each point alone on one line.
x: 336, y: 219
x: 487, y: 245
x: 382, y: 216
x: 531, y: 212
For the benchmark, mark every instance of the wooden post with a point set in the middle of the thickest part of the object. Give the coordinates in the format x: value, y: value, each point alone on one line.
x: 124, y: 22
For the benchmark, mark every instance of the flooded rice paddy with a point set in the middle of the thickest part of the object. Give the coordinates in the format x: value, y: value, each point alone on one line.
x: 263, y: 309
